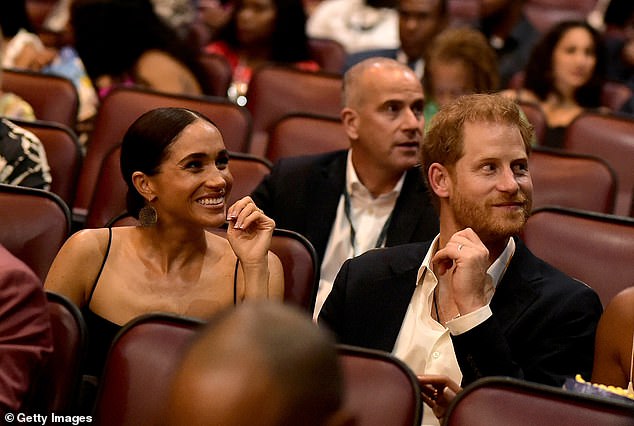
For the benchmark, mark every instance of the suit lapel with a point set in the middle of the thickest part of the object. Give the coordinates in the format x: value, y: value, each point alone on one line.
x: 515, y: 293
x: 407, y: 211
x: 328, y: 186
x: 393, y: 295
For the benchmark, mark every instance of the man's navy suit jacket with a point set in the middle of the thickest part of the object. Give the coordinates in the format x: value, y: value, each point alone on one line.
x: 302, y: 194
x: 542, y: 328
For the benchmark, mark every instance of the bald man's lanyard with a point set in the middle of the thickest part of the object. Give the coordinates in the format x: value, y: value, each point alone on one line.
x: 353, y: 233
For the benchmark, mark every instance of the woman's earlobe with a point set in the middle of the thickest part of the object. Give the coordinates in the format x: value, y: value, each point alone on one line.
x: 143, y: 185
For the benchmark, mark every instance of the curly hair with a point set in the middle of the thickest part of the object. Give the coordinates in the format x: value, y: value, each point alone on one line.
x: 539, y: 76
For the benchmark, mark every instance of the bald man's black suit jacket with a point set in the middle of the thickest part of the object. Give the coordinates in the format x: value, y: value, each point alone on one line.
x: 302, y: 194
x: 542, y: 328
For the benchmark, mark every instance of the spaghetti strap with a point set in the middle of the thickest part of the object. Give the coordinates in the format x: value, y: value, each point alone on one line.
x: 103, y: 263
x: 235, y: 283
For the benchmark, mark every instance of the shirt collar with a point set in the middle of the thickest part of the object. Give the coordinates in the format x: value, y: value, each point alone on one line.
x: 353, y: 184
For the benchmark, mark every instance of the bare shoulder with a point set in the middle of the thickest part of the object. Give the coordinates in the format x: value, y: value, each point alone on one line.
x: 162, y: 71
x: 622, y: 305
x: 156, y: 57
x: 77, y: 264
x: 86, y: 243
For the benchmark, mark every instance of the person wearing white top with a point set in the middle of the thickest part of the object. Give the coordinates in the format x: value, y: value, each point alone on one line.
x: 473, y: 302
x: 355, y: 24
x: 371, y: 195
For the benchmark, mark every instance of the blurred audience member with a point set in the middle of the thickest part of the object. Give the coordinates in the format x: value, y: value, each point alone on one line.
x: 124, y: 42
x: 419, y: 22
x: 214, y: 14
x: 27, y: 51
x: 357, y: 24
x: 564, y: 76
x: 22, y: 158
x: 178, y: 14
x: 25, y: 332
x: 619, y: 41
x: 459, y: 62
x: 614, y: 350
x: 12, y: 105
x: 509, y: 32
x: 23, y: 49
x: 261, y: 32
x: 261, y: 363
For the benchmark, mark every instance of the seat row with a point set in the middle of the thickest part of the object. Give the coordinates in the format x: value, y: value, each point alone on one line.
x: 313, y: 102
x: 379, y: 389
x: 586, y: 245
x: 94, y: 188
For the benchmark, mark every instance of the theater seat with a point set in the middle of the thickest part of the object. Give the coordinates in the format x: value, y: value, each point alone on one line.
x: 217, y: 72
x: 305, y: 134
x: 536, y: 117
x: 328, y: 53
x: 610, y: 137
x: 53, y: 98
x: 138, y: 370
x: 57, y: 390
x: 504, y: 401
x: 63, y: 153
x: 571, y: 180
x: 379, y: 388
x: 275, y: 91
x: 595, y: 248
x: 34, y: 224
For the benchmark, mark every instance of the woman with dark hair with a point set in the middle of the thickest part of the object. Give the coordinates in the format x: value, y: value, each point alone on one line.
x: 261, y: 32
x: 125, y: 42
x: 177, y: 170
x: 564, y: 75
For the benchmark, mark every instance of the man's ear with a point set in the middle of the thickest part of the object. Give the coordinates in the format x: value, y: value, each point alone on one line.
x: 350, y: 121
x: 439, y: 180
x: 143, y: 185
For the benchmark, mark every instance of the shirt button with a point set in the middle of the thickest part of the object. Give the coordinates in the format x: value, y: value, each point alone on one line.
x: 436, y: 355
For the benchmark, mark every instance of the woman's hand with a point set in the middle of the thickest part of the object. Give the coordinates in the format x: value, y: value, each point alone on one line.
x: 249, y: 231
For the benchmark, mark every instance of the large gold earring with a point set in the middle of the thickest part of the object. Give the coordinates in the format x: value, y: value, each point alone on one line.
x: 148, y: 216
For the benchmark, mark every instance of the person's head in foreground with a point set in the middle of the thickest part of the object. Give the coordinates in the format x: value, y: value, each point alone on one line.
x: 261, y: 363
